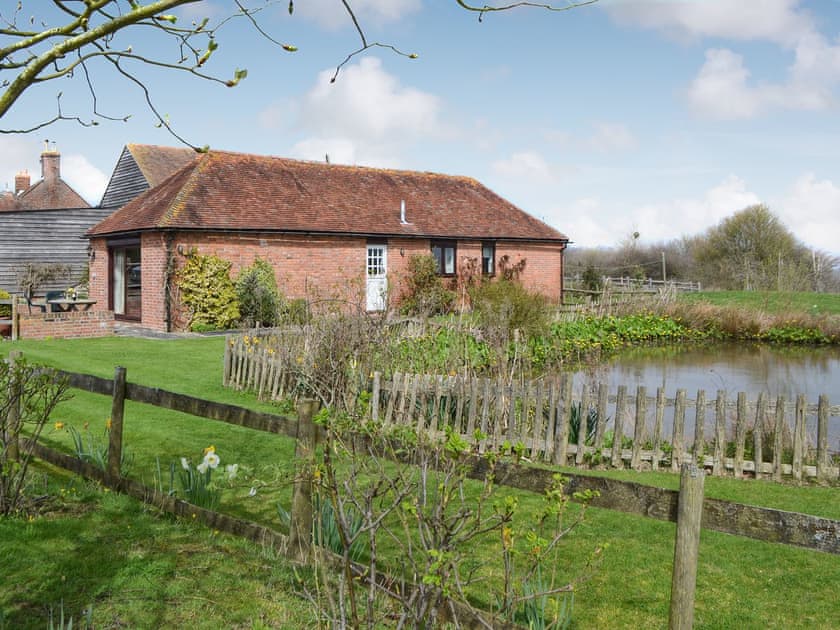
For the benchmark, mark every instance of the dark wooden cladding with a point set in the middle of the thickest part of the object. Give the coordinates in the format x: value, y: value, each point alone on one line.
x: 46, y: 237
x: 126, y: 182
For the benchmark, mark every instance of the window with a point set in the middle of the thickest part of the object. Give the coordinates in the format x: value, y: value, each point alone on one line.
x: 444, y: 254
x: 488, y: 258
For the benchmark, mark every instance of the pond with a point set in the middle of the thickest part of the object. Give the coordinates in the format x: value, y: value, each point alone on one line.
x: 734, y: 367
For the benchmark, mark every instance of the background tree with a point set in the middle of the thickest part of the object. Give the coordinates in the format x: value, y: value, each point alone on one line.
x: 751, y: 250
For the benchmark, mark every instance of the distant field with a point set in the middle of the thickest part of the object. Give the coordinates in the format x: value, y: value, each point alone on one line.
x: 771, y: 301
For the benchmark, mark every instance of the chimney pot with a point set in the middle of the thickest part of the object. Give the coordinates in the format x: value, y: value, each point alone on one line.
x: 22, y: 182
x: 50, y: 164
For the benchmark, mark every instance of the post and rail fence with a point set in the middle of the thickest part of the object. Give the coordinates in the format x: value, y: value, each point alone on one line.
x: 687, y: 508
x: 549, y: 420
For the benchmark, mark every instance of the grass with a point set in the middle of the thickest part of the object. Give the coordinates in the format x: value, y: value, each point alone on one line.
x: 137, y: 568
x: 141, y: 569
x: 774, y: 302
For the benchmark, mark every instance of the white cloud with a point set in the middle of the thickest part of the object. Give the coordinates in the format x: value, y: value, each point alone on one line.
x: 610, y: 137
x: 590, y: 222
x: 780, y: 21
x: 811, y: 210
x: 83, y: 177
x: 525, y: 166
x: 18, y: 153
x: 720, y: 89
x: 332, y: 15
x: 369, y: 110
x: 723, y: 88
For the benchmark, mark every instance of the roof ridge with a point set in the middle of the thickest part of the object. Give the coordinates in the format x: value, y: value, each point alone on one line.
x: 184, y: 192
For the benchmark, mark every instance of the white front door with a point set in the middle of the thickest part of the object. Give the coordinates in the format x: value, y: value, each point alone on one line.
x: 377, y: 277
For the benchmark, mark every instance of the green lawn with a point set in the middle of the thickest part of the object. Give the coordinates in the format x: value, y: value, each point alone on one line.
x: 771, y: 301
x: 144, y: 570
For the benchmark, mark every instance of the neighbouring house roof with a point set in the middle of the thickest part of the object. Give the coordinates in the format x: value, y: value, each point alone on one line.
x: 51, y: 192
x: 225, y: 191
x: 44, y: 195
x: 140, y: 167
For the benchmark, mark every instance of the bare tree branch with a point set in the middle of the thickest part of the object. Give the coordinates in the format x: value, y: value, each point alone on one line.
x: 34, y: 51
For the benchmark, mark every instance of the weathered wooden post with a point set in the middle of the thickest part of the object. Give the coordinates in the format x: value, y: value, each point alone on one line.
x: 15, y: 321
x: 300, y: 528
x: 686, y: 547
x: 113, y: 472
x: 13, y: 419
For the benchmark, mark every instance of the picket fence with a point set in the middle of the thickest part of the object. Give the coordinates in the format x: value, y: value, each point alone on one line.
x: 540, y: 420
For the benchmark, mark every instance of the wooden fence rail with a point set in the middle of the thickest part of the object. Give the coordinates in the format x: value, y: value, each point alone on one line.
x: 542, y: 419
x: 760, y: 523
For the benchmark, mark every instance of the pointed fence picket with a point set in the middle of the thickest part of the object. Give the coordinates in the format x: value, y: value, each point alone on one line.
x: 549, y: 420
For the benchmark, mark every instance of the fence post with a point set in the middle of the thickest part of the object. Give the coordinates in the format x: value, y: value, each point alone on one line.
x: 15, y: 322
x: 686, y: 547
x: 300, y: 528
x: 13, y: 419
x: 113, y: 473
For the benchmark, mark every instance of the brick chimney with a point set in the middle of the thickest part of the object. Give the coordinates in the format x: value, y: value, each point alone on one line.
x: 22, y: 182
x: 50, y: 163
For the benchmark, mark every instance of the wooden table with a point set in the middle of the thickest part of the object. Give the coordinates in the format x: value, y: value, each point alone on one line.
x: 65, y: 305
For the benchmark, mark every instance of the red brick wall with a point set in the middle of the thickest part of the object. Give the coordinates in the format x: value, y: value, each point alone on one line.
x: 98, y: 289
x: 328, y: 270
x: 66, y: 325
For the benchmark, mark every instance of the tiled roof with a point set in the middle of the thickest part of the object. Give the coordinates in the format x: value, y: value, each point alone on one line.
x: 44, y: 195
x: 233, y: 191
x: 157, y: 162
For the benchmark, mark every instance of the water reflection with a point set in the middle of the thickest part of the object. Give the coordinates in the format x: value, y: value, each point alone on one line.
x: 734, y: 367
x: 741, y: 367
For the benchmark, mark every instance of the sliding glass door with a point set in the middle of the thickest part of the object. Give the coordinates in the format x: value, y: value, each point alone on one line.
x: 126, y: 282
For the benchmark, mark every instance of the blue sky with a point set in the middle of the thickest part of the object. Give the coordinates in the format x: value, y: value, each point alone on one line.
x: 661, y: 117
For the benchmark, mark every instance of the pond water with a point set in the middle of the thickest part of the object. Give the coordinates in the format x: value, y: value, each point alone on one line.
x: 741, y: 367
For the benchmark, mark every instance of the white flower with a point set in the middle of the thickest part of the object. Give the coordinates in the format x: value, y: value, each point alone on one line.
x: 252, y: 492
x: 231, y: 470
x: 202, y: 467
x: 185, y: 464
x: 212, y: 460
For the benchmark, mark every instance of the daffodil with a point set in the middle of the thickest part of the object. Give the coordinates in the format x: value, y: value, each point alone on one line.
x: 185, y: 464
x: 211, y: 459
x: 59, y: 426
x: 231, y: 471
x: 202, y: 467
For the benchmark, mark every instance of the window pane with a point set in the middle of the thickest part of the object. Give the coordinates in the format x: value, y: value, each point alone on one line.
x: 436, y: 252
x: 488, y: 255
x: 449, y: 261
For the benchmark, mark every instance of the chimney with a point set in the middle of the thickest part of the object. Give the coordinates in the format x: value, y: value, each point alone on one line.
x: 402, y: 212
x: 50, y: 163
x: 22, y: 182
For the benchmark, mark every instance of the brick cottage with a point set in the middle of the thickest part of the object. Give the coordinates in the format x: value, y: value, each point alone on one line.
x: 329, y: 231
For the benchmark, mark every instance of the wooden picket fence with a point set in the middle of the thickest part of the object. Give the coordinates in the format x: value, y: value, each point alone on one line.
x: 541, y: 419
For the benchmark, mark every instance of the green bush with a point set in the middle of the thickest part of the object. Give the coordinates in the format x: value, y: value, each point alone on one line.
x: 507, y: 304
x: 425, y: 293
x: 259, y: 299
x: 5, y: 309
x: 208, y: 292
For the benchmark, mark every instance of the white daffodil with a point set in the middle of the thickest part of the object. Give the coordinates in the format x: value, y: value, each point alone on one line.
x: 252, y: 492
x: 202, y: 467
x: 212, y: 460
x: 185, y: 464
x: 231, y: 471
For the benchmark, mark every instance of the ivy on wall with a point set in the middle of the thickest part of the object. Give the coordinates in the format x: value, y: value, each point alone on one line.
x: 208, y: 292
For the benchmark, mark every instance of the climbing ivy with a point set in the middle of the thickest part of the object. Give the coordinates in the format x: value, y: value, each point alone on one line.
x: 208, y: 292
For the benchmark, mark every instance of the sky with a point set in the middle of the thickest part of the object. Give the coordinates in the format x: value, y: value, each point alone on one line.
x: 661, y: 117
